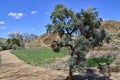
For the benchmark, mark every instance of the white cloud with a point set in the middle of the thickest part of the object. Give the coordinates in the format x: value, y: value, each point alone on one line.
x: 16, y: 15
x: 33, y: 12
x: 2, y: 22
x: 1, y: 27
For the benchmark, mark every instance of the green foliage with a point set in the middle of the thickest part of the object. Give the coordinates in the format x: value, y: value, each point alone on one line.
x: 49, y: 27
x: 10, y: 44
x: 38, y: 57
x: 55, y: 47
x: 8, y: 41
x: 15, y: 41
x: 102, y: 61
x: 6, y: 46
x: 0, y: 48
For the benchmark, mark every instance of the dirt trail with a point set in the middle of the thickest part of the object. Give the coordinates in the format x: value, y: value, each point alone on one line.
x: 12, y: 68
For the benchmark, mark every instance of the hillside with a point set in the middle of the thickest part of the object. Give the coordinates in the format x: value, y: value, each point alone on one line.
x: 113, y: 26
x: 44, y: 40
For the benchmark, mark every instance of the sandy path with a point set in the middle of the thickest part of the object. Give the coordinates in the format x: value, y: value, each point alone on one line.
x: 12, y: 68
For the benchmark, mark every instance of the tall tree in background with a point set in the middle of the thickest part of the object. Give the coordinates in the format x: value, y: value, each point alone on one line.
x: 29, y: 37
x: 15, y: 41
x: 8, y: 41
x: 78, y: 32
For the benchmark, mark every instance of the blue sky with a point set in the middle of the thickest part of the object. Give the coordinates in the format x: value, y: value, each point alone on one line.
x: 32, y: 15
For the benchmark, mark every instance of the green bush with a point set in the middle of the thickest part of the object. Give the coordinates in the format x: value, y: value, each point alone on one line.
x: 14, y: 46
x: 6, y: 46
x: 0, y: 48
x: 102, y: 61
x: 9, y: 46
x: 13, y: 41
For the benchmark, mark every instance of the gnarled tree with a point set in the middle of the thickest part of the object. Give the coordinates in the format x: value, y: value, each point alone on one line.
x: 78, y: 32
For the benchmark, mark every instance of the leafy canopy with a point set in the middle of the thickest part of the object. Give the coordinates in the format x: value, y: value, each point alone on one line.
x: 78, y: 31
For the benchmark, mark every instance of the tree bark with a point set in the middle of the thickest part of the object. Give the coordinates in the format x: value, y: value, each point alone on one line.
x: 70, y: 74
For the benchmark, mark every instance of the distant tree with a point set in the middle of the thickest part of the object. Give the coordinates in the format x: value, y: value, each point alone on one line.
x: 19, y: 38
x: 11, y: 35
x: 33, y: 37
x: 15, y: 41
x: 78, y: 32
x: 15, y: 37
x: 8, y: 41
x: 29, y: 37
x: 26, y: 37
x: 16, y: 34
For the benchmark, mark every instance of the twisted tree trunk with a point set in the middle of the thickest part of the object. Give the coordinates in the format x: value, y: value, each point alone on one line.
x: 70, y: 74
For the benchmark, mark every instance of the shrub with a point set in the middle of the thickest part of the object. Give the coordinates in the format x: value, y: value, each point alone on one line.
x: 102, y: 61
x: 103, y: 64
x: 8, y: 41
x: 0, y: 48
x: 14, y: 46
x: 15, y: 41
x: 6, y: 46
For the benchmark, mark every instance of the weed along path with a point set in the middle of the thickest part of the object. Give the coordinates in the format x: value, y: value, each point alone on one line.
x: 12, y: 68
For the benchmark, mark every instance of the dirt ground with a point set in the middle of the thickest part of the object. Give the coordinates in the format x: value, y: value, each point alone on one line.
x: 12, y: 68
